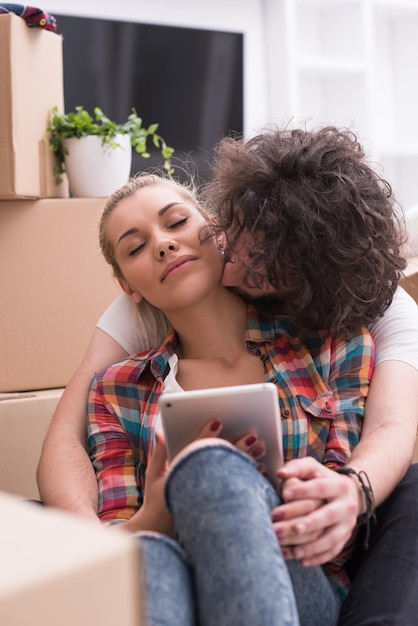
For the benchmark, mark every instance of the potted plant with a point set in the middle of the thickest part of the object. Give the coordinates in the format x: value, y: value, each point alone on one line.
x: 96, y: 153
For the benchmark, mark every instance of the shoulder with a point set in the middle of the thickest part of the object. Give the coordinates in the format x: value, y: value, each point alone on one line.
x: 136, y: 367
x: 396, y: 333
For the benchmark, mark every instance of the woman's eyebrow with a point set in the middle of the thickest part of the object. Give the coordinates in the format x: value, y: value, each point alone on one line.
x: 165, y: 208
x: 130, y: 231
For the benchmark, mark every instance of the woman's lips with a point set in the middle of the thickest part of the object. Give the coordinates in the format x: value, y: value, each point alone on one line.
x: 176, y: 264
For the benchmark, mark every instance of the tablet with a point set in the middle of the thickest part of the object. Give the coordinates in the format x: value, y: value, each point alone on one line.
x: 240, y: 409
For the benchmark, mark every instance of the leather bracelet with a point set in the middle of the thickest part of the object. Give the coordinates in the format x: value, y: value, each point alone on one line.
x: 366, y: 488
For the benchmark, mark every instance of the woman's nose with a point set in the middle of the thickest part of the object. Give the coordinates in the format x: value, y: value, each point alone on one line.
x: 165, y: 248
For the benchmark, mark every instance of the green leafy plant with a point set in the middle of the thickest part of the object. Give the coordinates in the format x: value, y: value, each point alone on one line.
x: 80, y: 123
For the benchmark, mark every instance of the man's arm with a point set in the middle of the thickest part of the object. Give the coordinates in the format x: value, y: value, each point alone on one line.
x: 384, y: 453
x: 65, y: 475
x: 390, y: 427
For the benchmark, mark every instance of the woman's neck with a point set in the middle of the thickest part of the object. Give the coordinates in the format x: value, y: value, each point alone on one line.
x: 212, y: 328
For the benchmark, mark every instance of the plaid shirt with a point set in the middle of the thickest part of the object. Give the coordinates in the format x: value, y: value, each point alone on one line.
x: 322, y: 383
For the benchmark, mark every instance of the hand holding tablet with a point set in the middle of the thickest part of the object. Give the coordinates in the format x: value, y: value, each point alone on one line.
x: 240, y: 409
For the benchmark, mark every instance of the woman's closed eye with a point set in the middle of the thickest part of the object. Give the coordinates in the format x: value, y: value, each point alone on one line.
x: 172, y: 226
x: 178, y: 223
x: 136, y: 250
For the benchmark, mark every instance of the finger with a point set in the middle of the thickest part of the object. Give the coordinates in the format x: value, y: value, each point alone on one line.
x: 295, y: 509
x: 323, y: 549
x: 325, y: 488
x: 252, y: 445
x: 158, y: 459
x: 303, y: 468
x: 292, y: 546
x: 211, y: 429
x: 289, y: 533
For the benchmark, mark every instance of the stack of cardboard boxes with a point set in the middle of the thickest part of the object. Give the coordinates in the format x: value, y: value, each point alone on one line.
x: 54, y: 286
x: 54, y: 283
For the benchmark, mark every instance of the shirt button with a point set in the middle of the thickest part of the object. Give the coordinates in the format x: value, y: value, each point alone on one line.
x: 286, y: 413
x: 273, y: 379
x: 328, y: 408
x: 263, y: 358
x: 251, y: 344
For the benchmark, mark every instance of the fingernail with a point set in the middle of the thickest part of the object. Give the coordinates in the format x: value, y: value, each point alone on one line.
x: 215, y: 425
x: 250, y: 440
x: 258, y: 451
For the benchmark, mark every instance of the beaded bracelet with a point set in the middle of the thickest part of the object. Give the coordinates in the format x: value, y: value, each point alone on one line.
x: 366, y: 487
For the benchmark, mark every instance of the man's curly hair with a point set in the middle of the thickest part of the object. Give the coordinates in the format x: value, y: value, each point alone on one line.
x: 322, y: 222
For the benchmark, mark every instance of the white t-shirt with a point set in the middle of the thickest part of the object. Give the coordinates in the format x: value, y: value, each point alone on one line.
x: 395, y: 334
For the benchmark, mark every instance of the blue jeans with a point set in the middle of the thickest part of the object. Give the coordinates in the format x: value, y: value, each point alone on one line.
x: 227, y: 567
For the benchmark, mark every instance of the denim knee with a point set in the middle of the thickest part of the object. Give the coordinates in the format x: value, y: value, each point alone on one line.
x: 217, y: 470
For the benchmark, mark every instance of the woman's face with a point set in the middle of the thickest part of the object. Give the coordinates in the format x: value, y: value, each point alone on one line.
x: 156, y: 238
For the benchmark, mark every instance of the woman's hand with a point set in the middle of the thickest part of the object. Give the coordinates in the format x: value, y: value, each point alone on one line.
x: 153, y: 514
x: 319, y: 512
x: 249, y: 442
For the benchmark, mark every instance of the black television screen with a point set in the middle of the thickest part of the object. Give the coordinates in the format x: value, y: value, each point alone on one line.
x: 188, y: 80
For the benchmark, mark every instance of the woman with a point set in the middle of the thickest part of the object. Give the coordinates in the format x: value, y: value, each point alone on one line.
x: 389, y: 431
x: 164, y: 251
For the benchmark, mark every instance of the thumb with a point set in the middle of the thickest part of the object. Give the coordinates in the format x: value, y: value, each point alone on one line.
x: 304, y: 469
x: 159, y: 453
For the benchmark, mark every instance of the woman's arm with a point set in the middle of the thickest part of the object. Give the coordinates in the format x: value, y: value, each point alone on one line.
x: 66, y: 477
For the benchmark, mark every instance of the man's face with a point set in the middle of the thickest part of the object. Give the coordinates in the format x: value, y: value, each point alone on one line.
x: 234, y: 271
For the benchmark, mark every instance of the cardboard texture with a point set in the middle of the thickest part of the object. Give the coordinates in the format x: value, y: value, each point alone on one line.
x: 24, y: 421
x: 410, y: 280
x: 60, y: 569
x: 54, y: 286
x: 31, y: 80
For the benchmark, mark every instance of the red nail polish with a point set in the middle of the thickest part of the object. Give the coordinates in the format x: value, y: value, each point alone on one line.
x: 250, y: 440
x: 215, y: 425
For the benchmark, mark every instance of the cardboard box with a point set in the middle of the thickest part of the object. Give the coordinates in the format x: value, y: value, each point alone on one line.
x: 410, y: 280
x: 54, y: 285
x: 31, y: 79
x: 24, y: 420
x: 60, y: 569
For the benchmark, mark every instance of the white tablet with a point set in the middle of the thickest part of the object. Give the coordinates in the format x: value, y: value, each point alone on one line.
x: 240, y: 409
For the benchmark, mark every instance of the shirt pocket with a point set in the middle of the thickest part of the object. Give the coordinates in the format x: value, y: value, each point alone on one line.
x: 320, y: 413
x: 319, y: 407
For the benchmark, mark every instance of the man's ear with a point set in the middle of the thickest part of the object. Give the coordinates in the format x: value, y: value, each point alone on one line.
x: 132, y: 293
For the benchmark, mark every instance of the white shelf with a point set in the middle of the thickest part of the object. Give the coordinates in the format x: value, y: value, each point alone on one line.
x: 353, y: 63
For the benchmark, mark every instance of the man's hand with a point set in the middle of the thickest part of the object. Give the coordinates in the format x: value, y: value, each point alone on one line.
x: 319, y: 512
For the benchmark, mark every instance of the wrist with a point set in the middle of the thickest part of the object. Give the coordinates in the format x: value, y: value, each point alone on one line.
x: 362, y: 501
x: 367, y: 509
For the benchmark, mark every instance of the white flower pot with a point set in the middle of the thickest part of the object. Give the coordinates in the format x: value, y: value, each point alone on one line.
x: 95, y: 170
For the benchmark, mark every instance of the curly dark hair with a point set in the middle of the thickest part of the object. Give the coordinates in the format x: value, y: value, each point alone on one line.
x: 324, y: 225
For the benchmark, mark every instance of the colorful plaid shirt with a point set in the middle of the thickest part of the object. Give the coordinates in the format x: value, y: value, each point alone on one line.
x: 322, y: 383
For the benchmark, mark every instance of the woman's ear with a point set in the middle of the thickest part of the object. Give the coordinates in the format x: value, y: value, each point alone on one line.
x: 220, y: 237
x: 132, y: 293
